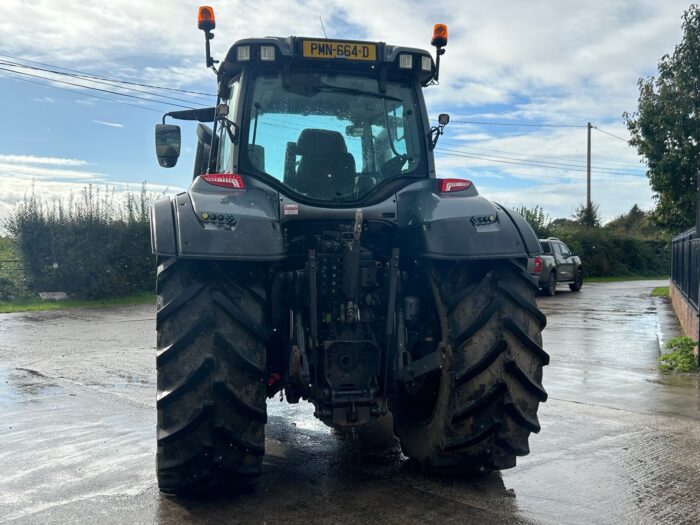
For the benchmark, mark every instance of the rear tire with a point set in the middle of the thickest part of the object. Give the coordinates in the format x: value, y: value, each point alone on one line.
x: 550, y: 287
x: 487, y: 394
x: 211, y: 377
x: 578, y: 282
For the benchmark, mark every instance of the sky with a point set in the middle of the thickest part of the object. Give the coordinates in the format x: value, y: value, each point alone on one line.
x: 520, y: 81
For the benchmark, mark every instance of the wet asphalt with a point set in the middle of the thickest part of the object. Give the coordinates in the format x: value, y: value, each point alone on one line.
x: 620, y: 442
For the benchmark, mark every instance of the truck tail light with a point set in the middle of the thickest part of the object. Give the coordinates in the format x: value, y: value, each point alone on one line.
x: 225, y: 180
x: 450, y: 185
x: 538, y: 265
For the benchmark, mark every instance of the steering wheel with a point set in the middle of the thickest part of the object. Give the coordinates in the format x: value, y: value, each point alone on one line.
x: 394, y: 165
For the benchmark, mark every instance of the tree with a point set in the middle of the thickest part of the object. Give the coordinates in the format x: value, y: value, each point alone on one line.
x: 587, y: 216
x: 635, y: 222
x: 666, y: 128
x: 539, y: 221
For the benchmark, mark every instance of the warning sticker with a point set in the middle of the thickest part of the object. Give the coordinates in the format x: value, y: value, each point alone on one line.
x: 291, y: 209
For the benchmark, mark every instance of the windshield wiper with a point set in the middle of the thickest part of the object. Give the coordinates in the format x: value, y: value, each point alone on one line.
x: 355, y: 91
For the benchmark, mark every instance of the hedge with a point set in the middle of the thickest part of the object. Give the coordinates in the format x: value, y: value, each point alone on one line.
x: 608, y: 254
x: 88, y: 247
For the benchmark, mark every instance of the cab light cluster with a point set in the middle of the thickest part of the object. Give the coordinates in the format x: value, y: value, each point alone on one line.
x: 406, y: 62
x: 267, y: 53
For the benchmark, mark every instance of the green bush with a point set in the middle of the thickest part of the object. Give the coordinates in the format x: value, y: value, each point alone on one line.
x: 680, y: 357
x: 606, y: 253
x: 88, y: 247
x: 12, y: 279
x: 627, y: 246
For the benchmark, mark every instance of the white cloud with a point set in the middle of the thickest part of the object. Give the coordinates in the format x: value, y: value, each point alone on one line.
x: 31, y: 159
x: 87, y: 101
x: 43, y: 100
x: 519, y: 61
x: 110, y: 124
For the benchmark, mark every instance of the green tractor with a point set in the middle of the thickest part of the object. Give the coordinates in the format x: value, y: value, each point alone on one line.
x: 317, y: 254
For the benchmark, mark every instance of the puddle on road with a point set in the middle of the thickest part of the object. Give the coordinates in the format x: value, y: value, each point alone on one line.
x: 678, y: 380
x: 21, y: 384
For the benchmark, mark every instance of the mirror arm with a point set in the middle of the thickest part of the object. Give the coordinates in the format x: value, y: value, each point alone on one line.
x: 227, y: 125
x: 434, y: 134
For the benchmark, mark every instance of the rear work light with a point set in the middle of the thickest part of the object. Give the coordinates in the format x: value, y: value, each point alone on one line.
x: 426, y: 63
x: 450, y: 185
x: 225, y: 180
x: 538, y: 264
x: 405, y: 61
x: 267, y: 53
x: 243, y: 53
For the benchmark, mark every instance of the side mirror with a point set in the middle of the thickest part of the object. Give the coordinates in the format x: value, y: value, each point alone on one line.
x: 167, y: 144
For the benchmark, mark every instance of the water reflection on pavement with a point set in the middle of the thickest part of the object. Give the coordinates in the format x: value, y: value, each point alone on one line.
x: 619, y: 441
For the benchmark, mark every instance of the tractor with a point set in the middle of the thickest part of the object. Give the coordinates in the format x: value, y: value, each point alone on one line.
x: 318, y: 256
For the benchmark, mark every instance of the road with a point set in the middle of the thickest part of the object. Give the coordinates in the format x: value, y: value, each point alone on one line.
x: 620, y: 443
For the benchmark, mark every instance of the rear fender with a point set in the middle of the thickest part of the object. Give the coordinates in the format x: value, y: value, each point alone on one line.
x: 218, y: 223
x: 460, y: 226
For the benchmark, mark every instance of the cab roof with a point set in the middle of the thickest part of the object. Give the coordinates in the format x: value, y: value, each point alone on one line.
x: 327, y: 53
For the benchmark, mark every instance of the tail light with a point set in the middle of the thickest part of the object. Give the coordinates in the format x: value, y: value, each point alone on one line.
x: 225, y: 180
x: 451, y: 185
x: 538, y: 265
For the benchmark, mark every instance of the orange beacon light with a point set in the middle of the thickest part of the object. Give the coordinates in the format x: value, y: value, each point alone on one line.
x: 205, y: 18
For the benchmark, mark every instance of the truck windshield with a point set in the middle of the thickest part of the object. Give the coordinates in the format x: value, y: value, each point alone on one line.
x: 330, y: 137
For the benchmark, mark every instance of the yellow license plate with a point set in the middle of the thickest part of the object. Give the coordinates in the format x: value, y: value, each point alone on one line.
x: 344, y: 50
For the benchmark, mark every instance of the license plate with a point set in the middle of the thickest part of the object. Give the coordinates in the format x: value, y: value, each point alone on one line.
x: 344, y: 50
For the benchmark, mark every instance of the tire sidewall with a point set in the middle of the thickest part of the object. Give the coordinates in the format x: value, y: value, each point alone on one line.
x: 551, y: 288
x: 578, y: 282
x: 421, y: 440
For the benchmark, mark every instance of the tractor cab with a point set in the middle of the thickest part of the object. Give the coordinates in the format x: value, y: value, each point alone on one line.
x: 323, y: 121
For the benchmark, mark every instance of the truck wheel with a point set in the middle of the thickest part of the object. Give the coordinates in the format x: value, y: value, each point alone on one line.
x: 476, y: 414
x: 578, y: 281
x: 211, y: 377
x: 550, y: 287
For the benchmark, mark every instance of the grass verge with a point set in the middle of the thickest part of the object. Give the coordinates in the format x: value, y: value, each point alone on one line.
x: 37, y: 305
x: 660, y: 291
x: 624, y: 278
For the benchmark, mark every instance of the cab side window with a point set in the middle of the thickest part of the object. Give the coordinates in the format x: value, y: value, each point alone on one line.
x: 226, y: 147
x: 557, y: 250
x: 565, y: 252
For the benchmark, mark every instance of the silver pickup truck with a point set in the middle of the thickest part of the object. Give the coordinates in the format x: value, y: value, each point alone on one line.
x: 556, y: 265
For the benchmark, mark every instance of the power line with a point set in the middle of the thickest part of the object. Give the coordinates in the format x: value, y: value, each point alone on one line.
x: 515, y: 124
x: 94, y: 88
x: 613, y: 136
x: 91, y: 79
x: 540, y: 161
x: 111, y: 79
x: 91, y: 96
x: 540, y: 158
x: 533, y: 164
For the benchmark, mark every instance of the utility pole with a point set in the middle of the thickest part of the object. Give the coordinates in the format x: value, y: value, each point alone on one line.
x: 588, y: 171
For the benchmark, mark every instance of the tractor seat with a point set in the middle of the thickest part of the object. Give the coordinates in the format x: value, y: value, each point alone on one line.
x: 326, y: 169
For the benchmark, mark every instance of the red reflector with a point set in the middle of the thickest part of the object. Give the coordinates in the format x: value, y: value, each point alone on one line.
x: 450, y: 185
x: 225, y: 180
x: 538, y: 265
